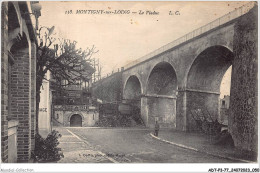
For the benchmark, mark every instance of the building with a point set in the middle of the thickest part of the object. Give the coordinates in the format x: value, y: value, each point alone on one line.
x: 18, y: 90
x: 45, y: 107
x: 224, y: 109
x: 225, y: 102
x: 72, y: 105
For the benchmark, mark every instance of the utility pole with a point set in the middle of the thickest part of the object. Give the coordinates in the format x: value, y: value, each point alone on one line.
x: 95, y: 70
x: 99, y: 70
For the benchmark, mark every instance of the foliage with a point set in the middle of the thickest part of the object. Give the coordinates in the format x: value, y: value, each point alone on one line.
x: 224, y: 138
x: 205, y: 121
x: 47, y: 150
x: 63, y: 59
x: 110, y: 116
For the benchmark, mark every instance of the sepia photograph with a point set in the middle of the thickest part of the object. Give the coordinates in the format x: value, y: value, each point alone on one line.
x: 147, y: 86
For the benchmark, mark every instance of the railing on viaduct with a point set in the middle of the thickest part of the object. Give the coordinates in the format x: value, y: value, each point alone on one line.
x: 212, y: 25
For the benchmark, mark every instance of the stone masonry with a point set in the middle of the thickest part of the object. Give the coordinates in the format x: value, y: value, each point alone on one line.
x: 18, y: 64
x: 109, y: 89
x: 4, y: 83
x: 200, y: 61
x: 243, y: 97
x: 21, y: 102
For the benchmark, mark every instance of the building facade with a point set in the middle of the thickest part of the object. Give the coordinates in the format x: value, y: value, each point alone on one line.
x: 72, y: 105
x: 45, y: 107
x: 224, y: 109
x: 76, y: 115
x: 18, y: 77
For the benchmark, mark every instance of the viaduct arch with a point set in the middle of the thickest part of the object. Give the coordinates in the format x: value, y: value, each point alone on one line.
x: 190, y: 70
x: 204, y: 80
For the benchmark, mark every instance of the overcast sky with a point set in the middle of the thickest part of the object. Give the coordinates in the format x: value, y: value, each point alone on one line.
x: 121, y: 39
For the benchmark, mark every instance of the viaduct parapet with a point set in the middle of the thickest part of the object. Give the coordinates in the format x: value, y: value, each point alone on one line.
x: 185, y: 75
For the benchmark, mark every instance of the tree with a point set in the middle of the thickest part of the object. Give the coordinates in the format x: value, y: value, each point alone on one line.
x: 62, y: 59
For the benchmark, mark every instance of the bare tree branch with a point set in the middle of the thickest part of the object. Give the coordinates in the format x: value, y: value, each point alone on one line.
x: 65, y: 62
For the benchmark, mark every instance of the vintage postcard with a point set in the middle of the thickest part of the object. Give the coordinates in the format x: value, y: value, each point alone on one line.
x: 97, y: 86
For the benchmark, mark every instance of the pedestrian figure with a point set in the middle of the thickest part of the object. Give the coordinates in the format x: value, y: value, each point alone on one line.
x: 156, y: 128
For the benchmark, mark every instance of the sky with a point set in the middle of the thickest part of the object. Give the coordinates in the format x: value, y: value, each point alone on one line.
x: 122, y: 38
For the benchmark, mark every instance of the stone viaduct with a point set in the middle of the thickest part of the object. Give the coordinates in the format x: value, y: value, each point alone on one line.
x: 186, y: 74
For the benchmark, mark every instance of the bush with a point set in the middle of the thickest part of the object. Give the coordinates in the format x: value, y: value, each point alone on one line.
x: 224, y: 139
x: 46, y: 150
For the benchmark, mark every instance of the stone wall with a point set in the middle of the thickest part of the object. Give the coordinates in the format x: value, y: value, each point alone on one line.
x: 4, y: 82
x: 108, y: 89
x: 162, y: 110
x: 200, y: 101
x: 58, y: 116
x: 182, y: 58
x: 89, y: 118
x: 12, y: 141
x: 243, y: 118
x: 33, y: 94
x: 21, y: 101
x: 18, y: 63
x: 181, y: 111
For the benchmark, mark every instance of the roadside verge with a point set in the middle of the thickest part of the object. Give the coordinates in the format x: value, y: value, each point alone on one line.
x: 201, y: 151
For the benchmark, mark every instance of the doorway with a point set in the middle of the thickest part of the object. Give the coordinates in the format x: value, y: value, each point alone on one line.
x: 76, y: 121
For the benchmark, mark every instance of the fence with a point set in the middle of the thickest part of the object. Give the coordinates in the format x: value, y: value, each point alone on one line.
x: 214, y: 24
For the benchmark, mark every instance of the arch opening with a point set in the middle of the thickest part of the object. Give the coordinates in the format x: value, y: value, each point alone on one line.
x: 161, y: 95
x: 132, y: 89
x: 204, y: 82
x: 13, y: 21
x: 224, y: 99
x: 132, y: 97
x: 162, y: 80
x: 76, y: 120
